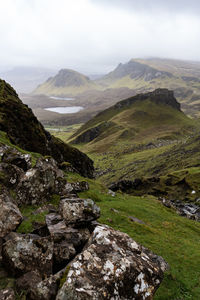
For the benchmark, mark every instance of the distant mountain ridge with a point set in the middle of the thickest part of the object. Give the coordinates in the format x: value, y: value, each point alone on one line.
x: 138, y: 75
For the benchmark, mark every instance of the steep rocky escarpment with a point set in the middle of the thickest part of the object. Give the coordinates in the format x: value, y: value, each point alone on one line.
x: 24, y: 130
x: 135, y: 116
x: 58, y: 250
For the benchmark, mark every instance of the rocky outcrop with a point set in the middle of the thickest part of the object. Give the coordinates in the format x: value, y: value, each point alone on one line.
x: 24, y: 130
x: 112, y: 266
x: 188, y: 210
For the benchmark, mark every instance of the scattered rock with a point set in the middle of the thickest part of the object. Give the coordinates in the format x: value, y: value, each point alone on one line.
x: 189, y: 210
x: 78, y: 211
x: 112, y: 266
x: 133, y: 219
x: 110, y: 192
x: 114, y: 210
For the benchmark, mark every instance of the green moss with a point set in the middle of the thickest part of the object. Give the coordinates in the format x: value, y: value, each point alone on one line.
x: 29, y: 218
x: 64, y: 277
x: 55, y: 200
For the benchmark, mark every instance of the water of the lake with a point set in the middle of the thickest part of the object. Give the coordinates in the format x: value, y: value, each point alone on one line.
x: 61, y: 98
x: 65, y: 110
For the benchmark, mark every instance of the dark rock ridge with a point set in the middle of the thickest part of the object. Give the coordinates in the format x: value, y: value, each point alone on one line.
x: 159, y: 96
x: 70, y: 256
x: 24, y: 130
x: 136, y: 70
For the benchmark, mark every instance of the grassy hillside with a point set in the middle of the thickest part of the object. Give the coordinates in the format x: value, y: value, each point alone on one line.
x: 135, y: 122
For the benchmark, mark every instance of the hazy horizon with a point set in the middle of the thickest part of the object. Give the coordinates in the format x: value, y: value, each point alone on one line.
x: 93, y: 36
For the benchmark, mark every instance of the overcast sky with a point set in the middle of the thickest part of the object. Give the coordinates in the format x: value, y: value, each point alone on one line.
x: 93, y: 36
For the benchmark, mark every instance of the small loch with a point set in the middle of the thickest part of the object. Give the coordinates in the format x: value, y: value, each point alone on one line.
x: 65, y: 110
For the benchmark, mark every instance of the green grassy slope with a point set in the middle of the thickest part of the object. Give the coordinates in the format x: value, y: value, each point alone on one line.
x: 164, y: 232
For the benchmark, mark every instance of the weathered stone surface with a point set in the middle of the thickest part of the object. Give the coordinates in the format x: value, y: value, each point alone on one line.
x: 77, y: 187
x: 44, y: 290
x: 77, y: 211
x: 28, y: 280
x: 7, y: 294
x: 10, y: 216
x: 23, y: 253
x: 38, y: 183
x: 14, y: 157
x: 10, y: 175
x: 113, y: 266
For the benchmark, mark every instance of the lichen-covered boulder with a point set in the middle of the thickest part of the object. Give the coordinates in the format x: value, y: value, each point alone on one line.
x: 77, y: 211
x: 112, y: 266
x: 38, y: 183
x: 14, y: 157
x: 23, y: 253
x: 10, y: 216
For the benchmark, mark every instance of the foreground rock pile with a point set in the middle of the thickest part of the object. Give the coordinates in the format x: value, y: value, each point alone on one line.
x: 69, y: 255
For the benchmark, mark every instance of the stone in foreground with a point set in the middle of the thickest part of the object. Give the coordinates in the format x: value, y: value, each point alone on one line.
x: 113, y: 266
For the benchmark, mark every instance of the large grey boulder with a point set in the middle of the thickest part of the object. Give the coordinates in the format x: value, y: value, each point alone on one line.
x: 23, y: 253
x: 112, y: 266
x: 10, y: 216
x: 77, y: 211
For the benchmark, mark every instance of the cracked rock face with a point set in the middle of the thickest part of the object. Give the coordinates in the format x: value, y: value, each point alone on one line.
x: 78, y: 211
x: 10, y: 216
x: 112, y: 266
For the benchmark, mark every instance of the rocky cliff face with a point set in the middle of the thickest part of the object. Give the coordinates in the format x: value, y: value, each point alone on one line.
x: 23, y: 129
x: 159, y: 96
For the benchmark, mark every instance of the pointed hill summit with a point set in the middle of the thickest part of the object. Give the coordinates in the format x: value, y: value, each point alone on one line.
x: 66, y: 82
